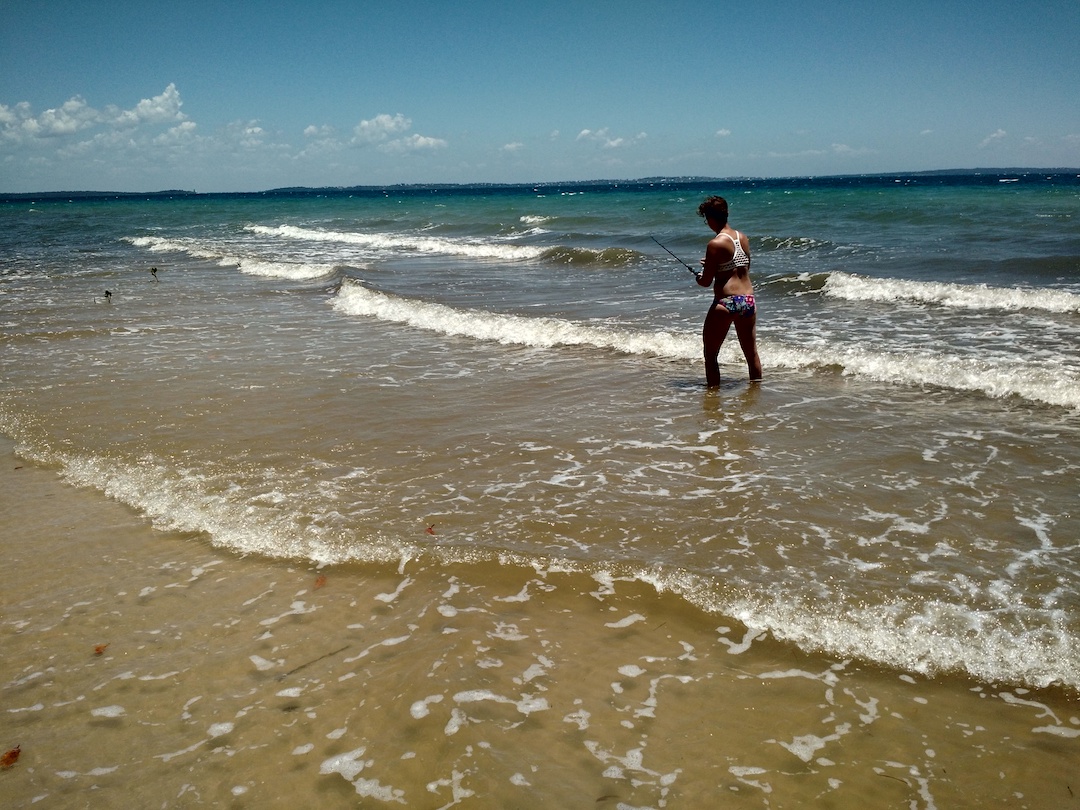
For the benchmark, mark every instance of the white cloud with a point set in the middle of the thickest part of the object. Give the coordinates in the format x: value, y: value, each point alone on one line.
x: 380, y: 128
x: 153, y: 142
x: 325, y: 131
x: 182, y: 133
x: 160, y: 109
x: 19, y: 123
x: 246, y: 134
x: 412, y: 143
x: 722, y: 133
x: 993, y: 136
x: 8, y: 115
x: 786, y: 155
x: 74, y: 115
x: 602, y: 137
x: 516, y: 146
x: 844, y: 149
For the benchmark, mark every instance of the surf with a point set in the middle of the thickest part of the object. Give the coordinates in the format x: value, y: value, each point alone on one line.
x: 246, y: 262
x: 538, y: 332
x: 1046, y: 384
x: 386, y: 242
x: 996, y: 379
x: 850, y: 287
x: 1009, y: 643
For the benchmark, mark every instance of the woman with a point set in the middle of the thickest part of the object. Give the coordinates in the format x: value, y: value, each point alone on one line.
x: 726, y: 267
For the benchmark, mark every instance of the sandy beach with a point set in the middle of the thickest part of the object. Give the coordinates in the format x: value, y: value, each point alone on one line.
x: 143, y: 668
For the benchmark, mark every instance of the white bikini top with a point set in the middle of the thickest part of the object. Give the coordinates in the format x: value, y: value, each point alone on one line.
x: 739, y: 259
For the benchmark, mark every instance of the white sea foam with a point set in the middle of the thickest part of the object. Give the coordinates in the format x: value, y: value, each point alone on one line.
x: 355, y: 299
x: 928, y: 638
x: 159, y: 244
x: 180, y: 503
x: 473, y: 248
x: 807, y: 745
x: 419, y: 708
x: 527, y: 705
x: 348, y: 764
x: 109, y: 711
x: 37, y: 707
x: 297, y: 271
x: 193, y: 248
x: 1058, y: 731
x: 957, y: 296
x: 626, y: 621
x: 992, y: 377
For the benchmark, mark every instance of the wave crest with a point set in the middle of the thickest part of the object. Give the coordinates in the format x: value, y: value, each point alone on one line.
x: 995, y: 379
x: 607, y: 258
x: 296, y: 271
x: 543, y: 332
x: 850, y: 287
x: 434, y: 245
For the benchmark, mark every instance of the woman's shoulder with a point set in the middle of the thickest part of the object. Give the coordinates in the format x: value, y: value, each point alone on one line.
x: 724, y: 242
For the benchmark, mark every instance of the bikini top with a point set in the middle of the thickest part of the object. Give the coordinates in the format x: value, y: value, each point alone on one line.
x: 739, y: 259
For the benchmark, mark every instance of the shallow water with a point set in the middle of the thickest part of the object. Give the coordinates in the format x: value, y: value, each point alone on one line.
x: 482, y: 416
x: 250, y: 682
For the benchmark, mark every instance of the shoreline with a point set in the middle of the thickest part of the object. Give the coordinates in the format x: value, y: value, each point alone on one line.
x: 248, y: 682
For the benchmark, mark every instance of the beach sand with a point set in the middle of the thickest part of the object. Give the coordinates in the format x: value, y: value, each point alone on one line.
x: 248, y: 682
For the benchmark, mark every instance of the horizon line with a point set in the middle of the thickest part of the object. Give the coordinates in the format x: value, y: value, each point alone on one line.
x: 6, y: 195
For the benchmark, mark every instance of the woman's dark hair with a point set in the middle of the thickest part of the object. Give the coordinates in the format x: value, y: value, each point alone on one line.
x: 714, y: 208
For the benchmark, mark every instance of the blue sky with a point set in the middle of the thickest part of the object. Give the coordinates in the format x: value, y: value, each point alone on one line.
x: 245, y: 96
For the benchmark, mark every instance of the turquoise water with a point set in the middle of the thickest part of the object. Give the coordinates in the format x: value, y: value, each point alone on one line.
x: 509, y: 379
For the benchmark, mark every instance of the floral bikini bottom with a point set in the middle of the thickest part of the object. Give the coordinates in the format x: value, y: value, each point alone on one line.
x: 738, y: 304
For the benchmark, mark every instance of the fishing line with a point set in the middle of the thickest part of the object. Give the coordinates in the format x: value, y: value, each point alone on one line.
x: 680, y: 261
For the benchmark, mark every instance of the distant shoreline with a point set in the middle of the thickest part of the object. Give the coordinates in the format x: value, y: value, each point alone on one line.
x: 610, y: 184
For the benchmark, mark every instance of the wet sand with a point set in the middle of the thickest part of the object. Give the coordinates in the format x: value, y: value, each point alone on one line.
x: 144, y: 668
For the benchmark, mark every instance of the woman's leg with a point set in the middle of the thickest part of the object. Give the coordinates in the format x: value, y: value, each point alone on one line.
x: 717, y: 323
x: 746, y: 329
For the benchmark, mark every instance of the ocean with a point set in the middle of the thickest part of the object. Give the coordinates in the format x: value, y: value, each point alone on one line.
x: 419, y: 497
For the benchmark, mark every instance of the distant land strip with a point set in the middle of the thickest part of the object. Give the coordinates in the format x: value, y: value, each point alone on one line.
x: 970, y: 175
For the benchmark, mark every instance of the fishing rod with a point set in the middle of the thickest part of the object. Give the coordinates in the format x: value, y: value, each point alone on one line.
x: 680, y: 261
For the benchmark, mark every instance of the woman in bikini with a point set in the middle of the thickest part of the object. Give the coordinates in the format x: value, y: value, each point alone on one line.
x: 726, y: 267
